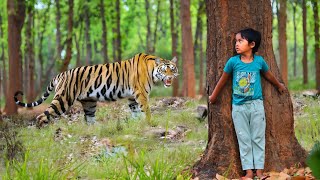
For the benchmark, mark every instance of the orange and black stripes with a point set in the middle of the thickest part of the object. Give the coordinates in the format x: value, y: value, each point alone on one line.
x: 131, y: 78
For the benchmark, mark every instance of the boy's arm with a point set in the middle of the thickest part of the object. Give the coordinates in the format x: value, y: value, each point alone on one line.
x: 221, y: 83
x: 270, y: 77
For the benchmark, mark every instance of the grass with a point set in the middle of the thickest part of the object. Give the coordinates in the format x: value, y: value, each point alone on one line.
x: 71, y: 149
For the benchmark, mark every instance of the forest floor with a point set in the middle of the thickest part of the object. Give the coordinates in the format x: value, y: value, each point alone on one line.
x: 119, y: 147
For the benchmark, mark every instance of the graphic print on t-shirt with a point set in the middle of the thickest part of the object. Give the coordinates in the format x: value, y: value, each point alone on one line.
x: 244, y: 85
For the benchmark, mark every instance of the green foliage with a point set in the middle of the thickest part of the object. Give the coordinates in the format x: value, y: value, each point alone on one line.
x: 297, y: 85
x: 313, y: 160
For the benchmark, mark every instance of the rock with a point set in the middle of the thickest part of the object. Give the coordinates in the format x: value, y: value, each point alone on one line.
x: 202, y: 112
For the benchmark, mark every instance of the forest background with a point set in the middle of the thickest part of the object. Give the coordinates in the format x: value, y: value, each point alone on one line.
x: 59, y: 35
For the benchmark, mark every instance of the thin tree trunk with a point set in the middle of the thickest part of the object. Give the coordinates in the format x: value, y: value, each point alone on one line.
x: 29, y: 54
x: 67, y: 59
x: 198, y: 44
x: 294, y: 6
x: 305, y: 45
x: 118, y: 39
x: 58, y: 33
x: 148, y: 38
x: 317, y: 43
x: 153, y: 47
x: 16, y: 16
x: 87, y: 32
x: 41, y: 34
x: 282, y: 38
x: 2, y: 58
x: 174, y: 45
x: 222, y: 152
x: 187, y: 50
x: 104, y: 33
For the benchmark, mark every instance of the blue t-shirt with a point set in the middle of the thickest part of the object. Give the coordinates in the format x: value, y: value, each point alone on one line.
x: 246, y: 78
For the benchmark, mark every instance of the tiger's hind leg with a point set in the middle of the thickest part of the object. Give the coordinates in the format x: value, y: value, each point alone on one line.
x: 89, y: 108
x: 134, y: 107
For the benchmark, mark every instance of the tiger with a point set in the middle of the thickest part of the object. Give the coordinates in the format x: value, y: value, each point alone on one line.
x: 132, y: 79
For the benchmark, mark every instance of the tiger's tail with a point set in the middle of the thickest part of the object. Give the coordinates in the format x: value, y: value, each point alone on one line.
x: 35, y: 103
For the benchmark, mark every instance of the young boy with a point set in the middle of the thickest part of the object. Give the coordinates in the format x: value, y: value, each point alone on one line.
x: 247, y: 102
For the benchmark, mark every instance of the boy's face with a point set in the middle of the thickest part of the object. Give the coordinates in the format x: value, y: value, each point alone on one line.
x: 242, y: 45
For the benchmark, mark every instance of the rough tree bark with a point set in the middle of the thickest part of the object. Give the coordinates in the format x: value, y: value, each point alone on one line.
x: 67, y: 59
x: 187, y: 51
x: 317, y: 43
x: 174, y: 45
x: 116, y: 38
x: 305, y: 45
x: 222, y: 152
x: 16, y: 16
x: 282, y: 39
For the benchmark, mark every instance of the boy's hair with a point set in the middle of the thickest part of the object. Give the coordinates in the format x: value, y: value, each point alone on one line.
x: 251, y: 35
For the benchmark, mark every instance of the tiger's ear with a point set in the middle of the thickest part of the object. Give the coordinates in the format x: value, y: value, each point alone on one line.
x: 158, y: 60
x: 174, y: 59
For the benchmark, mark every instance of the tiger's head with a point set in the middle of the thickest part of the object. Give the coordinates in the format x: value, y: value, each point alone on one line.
x: 166, y: 71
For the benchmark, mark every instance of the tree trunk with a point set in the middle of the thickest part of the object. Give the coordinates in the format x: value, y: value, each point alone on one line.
x: 317, y: 43
x: 282, y: 38
x: 187, y: 50
x: 294, y: 7
x: 198, y: 52
x: 29, y: 54
x: 116, y: 40
x: 148, y: 38
x: 67, y: 59
x: 58, y: 33
x: 305, y: 45
x: 104, y: 33
x: 2, y: 58
x: 153, y: 47
x: 41, y: 34
x: 16, y: 16
x: 174, y: 45
x: 87, y: 32
x: 222, y: 152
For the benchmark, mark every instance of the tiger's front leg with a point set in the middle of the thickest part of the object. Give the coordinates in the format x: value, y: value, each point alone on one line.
x: 144, y: 105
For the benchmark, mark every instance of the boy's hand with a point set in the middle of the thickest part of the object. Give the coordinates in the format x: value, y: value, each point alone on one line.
x: 282, y: 88
x: 212, y: 99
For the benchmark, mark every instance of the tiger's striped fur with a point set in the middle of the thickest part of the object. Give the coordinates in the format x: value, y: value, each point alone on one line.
x: 131, y: 78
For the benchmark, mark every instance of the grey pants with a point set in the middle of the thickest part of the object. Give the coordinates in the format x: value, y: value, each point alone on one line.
x: 249, y: 123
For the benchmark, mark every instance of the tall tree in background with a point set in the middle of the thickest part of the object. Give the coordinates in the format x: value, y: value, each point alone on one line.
x: 116, y: 37
x: 153, y: 47
x: 282, y: 38
x: 29, y: 53
x: 198, y: 44
x: 58, y: 33
x: 317, y: 43
x: 104, y: 33
x: 67, y: 59
x: 86, y: 11
x: 305, y: 45
x: 187, y: 50
x: 16, y: 16
x: 222, y: 152
x: 2, y: 58
x: 294, y: 8
x: 174, y: 45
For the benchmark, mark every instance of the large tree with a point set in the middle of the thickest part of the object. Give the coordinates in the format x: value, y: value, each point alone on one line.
x: 222, y: 152
x: 317, y: 43
x: 16, y: 16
